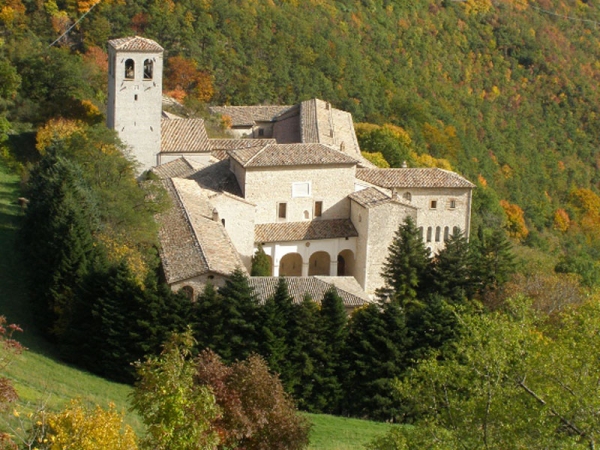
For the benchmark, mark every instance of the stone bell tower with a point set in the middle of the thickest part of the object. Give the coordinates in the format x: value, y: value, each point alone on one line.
x: 135, y: 68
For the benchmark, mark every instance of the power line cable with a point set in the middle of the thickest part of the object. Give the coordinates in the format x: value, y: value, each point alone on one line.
x: 72, y: 26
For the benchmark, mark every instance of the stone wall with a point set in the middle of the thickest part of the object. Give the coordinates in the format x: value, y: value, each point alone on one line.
x: 273, y: 185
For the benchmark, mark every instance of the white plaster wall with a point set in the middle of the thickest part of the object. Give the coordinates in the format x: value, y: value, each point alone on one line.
x: 360, y: 218
x: 277, y: 250
x: 239, y: 223
x: 134, y: 106
x: 270, y: 186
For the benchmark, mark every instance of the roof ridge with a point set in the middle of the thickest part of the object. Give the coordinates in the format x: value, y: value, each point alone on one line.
x: 256, y: 154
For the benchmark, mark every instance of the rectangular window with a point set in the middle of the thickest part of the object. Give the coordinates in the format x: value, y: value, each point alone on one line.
x: 282, y: 210
x: 318, y: 209
x: 301, y: 189
x: 433, y: 204
x: 261, y: 132
x: 452, y: 204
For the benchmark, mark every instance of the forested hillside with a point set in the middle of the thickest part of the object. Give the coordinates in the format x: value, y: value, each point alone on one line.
x: 506, y: 91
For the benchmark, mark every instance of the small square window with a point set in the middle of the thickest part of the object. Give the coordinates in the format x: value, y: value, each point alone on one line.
x: 261, y: 132
x: 433, y: 204
x: 282, y: 210
x: 318, y: 209
x: 452, y: 204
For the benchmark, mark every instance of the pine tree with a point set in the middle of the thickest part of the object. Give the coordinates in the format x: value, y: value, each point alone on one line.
x: 406, y: 271
x: 377, y: 349
x: 207, y: 320
x: 494, y: 260
x: 239, y: 312
x: 453, y: 270
x: 333, y: 319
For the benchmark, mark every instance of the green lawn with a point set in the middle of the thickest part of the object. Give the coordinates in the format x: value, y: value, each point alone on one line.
x: 40, y: 377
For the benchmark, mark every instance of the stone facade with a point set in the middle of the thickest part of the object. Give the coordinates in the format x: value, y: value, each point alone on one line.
x: 297, y: 185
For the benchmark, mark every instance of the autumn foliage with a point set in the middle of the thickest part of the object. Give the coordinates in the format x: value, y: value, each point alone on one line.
x: 515, y: 220
x: 183, y: 78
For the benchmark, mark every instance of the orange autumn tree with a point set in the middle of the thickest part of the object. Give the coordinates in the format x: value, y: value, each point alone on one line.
x: 515, y: 220
x: 183, y: 78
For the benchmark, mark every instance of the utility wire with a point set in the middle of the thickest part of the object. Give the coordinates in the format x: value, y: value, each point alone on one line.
x: 72, y: 26
x: 545, y: 11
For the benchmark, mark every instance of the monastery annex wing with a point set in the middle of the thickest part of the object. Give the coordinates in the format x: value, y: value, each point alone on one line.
x: 291, y: 179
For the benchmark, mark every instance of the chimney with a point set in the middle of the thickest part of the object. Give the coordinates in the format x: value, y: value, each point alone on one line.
x: 404, y: 165
x: 215, y: 215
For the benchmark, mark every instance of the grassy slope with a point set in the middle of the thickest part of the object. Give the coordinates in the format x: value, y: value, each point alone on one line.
x: 40, y: 377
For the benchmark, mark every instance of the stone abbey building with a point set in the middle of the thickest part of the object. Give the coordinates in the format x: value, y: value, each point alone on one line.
x: 291, y: 179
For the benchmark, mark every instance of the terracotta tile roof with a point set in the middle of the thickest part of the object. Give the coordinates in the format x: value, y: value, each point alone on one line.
x: 304, y: 231
x: 233, y: 144
x: 413, y: 178
x: 135, y: 44
x: 184, y: 136
x: 370, y: 197
x: 217, y: 177
x: 290, y: 155
x: 192, y: 243
x: 249, y: 115
x: 308, y: 122
x: 179, y: 168
x: 316, y: 287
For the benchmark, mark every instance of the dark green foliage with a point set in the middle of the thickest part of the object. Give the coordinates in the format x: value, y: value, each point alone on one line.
x: 377, y: 350
x: 305, y: 351
x: 237, y: 332
x: 392, y: 149
x: 494, y: 260
x: 328, y: 392
x: 57, y: 238
x: 276, y: 316
x: 453, y: 269
x: 406, y: 270
x: 206, y: 319
x: 261, y: 264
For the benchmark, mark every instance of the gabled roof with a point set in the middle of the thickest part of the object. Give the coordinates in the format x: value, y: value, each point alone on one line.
x: 217, y: 177
x: 413, y: 178
x: 372, y: 197
x: 191, y: 242
x: 135, y: 44
x: 290, y: 155
x: 249, y: 115
x: 179, y: 168
x: 232, y: 144
x: 316, y: 287
x: 304, y: 231
x: 184, y: 136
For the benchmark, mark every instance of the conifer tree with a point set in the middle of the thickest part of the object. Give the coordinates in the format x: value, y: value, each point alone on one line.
x: 207, y: 320
x: 333, y: 320
x: 494, y: 259
x: 239, y: 312
x: 305, y: 352
x: 377, y: 349
x: 406, y: 269
x: 453, y: 269
x: 276, y: 315
x: 261, y: 264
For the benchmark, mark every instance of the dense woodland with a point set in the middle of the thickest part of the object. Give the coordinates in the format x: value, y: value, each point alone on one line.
x: 503, y: 92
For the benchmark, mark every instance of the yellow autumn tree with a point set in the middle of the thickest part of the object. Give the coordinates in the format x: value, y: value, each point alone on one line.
x: 82, y: 428
x: 56, y: 130
x: 515, y: 220
x: 376, y: 158
x: 561, y: 220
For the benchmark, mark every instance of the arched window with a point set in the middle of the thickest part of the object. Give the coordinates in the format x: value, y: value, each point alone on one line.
x: 306, y: 215
x: 438, y: 232
x: 455, y: 230
x: 421, y: 233
x: 148, y: 69
x: 446, y: 233
x: 429, y: 232
x: 188, y: 291
x: 407, y: 196
x: 129, y: 69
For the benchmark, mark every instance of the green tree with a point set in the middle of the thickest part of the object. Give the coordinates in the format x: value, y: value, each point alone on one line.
x: 237, y: 335
x: 406, y: 270
x: 453, y: 268
x: 261, y: 264
x: 494, y: 260
x: 176, y: 411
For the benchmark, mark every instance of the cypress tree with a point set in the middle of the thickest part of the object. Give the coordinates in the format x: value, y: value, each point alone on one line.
x: 261, y: 264
x: 406, y: 271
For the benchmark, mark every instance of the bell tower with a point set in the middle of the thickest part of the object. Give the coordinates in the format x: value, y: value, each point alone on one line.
x: 135, y: 68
